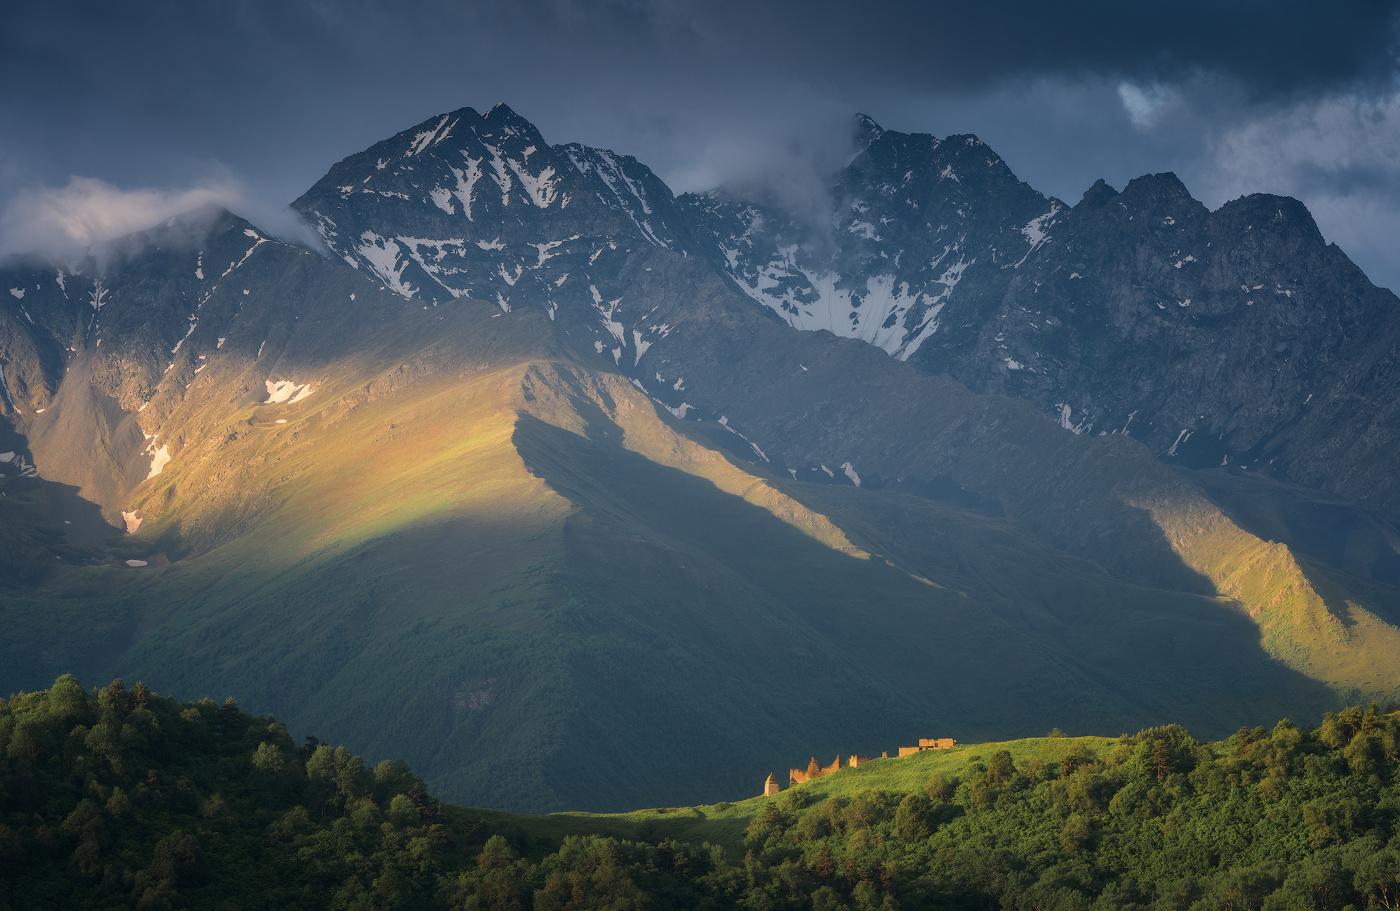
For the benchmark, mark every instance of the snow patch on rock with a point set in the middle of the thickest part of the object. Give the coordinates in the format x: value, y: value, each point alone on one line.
x: 286, y: 392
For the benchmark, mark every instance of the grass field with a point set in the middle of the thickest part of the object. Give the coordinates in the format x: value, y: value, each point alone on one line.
x: 724, y: 824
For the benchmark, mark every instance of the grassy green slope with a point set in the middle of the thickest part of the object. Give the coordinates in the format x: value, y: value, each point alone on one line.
x: 563, y: 628
x: 724, y: 823
x: 539, y: 589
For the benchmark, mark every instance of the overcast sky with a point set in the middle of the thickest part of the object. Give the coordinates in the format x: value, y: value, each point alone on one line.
x: 114, y: 114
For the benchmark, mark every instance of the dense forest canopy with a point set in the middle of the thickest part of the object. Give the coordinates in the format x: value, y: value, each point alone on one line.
x: 116, y: 798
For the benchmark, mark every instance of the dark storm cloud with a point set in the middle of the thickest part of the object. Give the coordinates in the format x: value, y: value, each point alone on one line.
x: 1273, y: 47
x: 264, y: 96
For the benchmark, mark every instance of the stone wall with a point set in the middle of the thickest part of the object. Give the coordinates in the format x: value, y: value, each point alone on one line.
x: 929, y: 743
x: 813, y: 771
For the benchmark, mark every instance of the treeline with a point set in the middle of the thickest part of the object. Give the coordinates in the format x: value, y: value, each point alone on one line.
x: 121, y: 798
x: 117, y: 798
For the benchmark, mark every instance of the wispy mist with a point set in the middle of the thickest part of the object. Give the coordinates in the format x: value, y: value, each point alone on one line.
x: 87, y: 212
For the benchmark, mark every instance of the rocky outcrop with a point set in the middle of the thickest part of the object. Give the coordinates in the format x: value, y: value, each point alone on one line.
x: 1237, y: 338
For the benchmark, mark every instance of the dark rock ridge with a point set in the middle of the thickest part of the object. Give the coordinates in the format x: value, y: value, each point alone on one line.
x: 1234, y: 338
x: 466, y: 204
x: 918, y: 225
x: 1229, y: 338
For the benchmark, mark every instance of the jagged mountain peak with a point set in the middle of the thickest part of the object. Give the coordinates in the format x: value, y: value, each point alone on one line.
x: 500, y: 121
x: 1154, y: 189
x: 1097, y: 195
x: 504, y: 121
x: 472, y: 205
x: 865, y: 130
x: 1161, y: 199
x: 957, y: 167
x: 912, y: 218
x: 1260, y: 215
x: 191, y: 226
x: 502, y: 112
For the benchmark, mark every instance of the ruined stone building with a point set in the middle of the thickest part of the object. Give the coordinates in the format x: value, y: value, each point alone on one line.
x: 797, y: 776
x: 940, y: 743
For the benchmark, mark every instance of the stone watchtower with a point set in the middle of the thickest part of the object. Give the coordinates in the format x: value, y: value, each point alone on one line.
x: 770, y: 787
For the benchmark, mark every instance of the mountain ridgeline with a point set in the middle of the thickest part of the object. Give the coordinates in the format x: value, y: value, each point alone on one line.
x: 576, y: 493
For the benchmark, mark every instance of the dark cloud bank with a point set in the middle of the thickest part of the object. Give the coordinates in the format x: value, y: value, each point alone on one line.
x: 259, y: 98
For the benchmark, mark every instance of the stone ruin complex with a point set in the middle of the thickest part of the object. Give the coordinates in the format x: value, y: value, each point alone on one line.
x: 814, y: 770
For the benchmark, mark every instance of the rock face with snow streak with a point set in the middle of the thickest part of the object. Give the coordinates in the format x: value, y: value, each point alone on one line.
x: 466, y: 204
x: 1235, y: 337
x: 1230, y: 338
x: 104, y: 356
x: 909, y: 255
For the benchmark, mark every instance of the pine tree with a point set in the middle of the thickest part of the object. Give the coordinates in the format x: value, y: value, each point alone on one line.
x: 825, y: 866
x: 1161, y: 759
x: 428, y: 808
x: 119, y: 698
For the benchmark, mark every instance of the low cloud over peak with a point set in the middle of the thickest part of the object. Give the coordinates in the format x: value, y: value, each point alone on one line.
x: 87, y: 211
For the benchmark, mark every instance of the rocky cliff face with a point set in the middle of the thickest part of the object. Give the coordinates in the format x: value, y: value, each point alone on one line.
x: 910, y: 254
x: 108, y: 358
x: 466, y: 204
x: 1230, y: 338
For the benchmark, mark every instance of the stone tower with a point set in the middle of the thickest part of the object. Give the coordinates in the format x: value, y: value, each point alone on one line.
x: 770, y: 787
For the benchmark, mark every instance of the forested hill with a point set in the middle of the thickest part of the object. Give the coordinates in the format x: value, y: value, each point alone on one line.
x: 121, y: 798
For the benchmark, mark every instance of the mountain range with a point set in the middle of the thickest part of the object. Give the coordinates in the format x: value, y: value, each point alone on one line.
x: 577, y: 493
